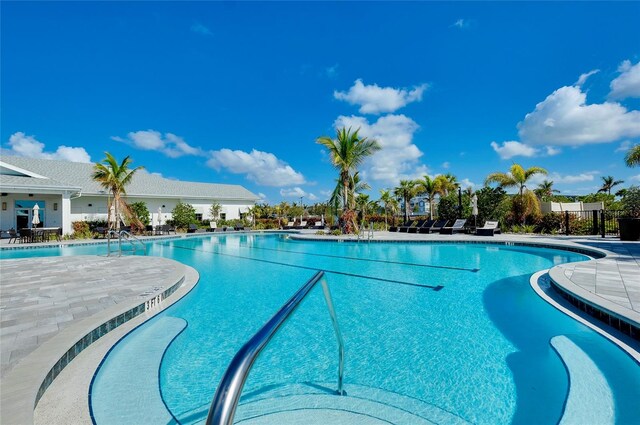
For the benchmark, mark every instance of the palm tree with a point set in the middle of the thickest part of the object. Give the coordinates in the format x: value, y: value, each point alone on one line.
x: 115, y: 177
x: 608, y: 183
x: 406, y: 190
x: 545, y: 190
x: 388, y: 201
x: 347, y: 151
x: 633, y: 156
x: 516, y: 177
x: 430, y: 187
x: 447, y: 183
x: 526, y: 201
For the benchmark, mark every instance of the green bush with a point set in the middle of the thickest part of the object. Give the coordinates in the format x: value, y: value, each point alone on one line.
x: 550, y: 223
x: 183, y: 215
x: 81, y: 230
x: 631, y: 202
x: 142, y: 212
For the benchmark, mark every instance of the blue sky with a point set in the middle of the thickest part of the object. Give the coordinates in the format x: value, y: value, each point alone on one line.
x: 238, y: 92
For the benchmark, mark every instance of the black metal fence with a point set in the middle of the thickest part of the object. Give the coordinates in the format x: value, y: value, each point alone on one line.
x: 596, y: 222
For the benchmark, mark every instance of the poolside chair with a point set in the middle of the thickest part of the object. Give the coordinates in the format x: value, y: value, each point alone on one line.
x: 405, y: 229
x: 395, y: 228
x: 490, y: 228
x: 192, y: 228
x: 426, y: 226
x: 13, y: 235
x: 290, y: 225
x: 458, y: 226
x: 318, y: 225
x: 437, y: 226
x: 302, y: 224
x: 418, y: 225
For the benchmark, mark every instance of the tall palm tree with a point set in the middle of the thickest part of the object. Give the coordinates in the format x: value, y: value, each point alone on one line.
x: 347, y: 151
x: 545, y: 190
x: 633, y: 156
x: 447, y: 183
x: 115, y: 177
x: 407, y: 190
x: 516, y: 177
x: 526, y: 202
x: 387, y: 200
x: 608, y: 183
x: 430, y: 188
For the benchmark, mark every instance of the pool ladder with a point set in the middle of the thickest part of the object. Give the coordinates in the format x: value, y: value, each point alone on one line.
x: 368, y: 231
x: 227, y: 396
x: 124, y: 236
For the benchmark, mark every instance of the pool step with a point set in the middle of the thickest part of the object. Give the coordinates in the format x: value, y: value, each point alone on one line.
x: 133, y: 373
x: 318, y: 404
x: 590, y: 399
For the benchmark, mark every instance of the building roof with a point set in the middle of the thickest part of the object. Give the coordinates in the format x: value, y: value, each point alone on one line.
x: 18, y: 172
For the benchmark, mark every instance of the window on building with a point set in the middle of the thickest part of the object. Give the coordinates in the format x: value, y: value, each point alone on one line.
x: 198, y: 216
x: 223, y: 216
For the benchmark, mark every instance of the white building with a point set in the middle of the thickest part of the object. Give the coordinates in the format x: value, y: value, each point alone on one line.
x: 65, y: 192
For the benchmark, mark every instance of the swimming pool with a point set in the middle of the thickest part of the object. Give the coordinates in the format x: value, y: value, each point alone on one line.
x: 450, y: 333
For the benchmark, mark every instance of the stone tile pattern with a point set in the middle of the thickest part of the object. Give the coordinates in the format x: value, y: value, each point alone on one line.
x: 41, y: 296
x: 615, y: 278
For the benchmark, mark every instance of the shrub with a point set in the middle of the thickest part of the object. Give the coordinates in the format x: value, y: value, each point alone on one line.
x: 550, y: 223
x: 631, y: 202
x: 184, y: 215
x: 142, y: 212
x: 81, y: 230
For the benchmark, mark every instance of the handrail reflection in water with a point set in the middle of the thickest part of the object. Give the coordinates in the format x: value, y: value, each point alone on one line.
x: 227, y: 396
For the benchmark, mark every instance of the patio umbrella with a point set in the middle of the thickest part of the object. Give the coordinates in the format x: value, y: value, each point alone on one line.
x: 159, y: 216
x: 474, y: 207
x: 36, y: 216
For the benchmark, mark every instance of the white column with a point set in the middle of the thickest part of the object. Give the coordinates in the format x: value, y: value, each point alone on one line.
x: 66, y: 213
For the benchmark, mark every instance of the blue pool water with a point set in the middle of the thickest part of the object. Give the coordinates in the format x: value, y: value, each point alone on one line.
x: 453, y: 327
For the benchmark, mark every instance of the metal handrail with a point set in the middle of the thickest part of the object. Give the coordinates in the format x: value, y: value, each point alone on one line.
x: 128, y: 236
x: 227, y: 396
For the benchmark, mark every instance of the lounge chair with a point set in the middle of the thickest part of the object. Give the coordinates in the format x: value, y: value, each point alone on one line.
x: 405, y: 229
x: 212, y: 226
x: 318, y: 225
x: 302, y: 225
x: 490, y: 228
x: 437, y: 226
x: 418, y: 225
x: 289, y: 225
x: 13, y: 235
x: 458, y: 226
x: 192, y: 228
x: 395, y: 228
x: 426, y: 226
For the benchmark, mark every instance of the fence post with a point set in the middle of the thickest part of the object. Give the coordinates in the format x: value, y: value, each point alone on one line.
x: 602, y: 227
x: 566, y: 223
x: 595, y: 222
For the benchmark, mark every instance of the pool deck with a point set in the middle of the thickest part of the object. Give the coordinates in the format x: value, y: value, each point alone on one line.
x: 50, y: 306
x: 48, y: 303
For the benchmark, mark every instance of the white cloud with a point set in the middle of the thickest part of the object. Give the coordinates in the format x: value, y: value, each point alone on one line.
x: 512, y: 148
x: 446, y: 165
x: 263, y: 168
x: 461, y: 23
x: 557, y: 178
x: 297, y: 192
x: 331, y: 71
x: 171, y: 145
x: 564, y: 118
x: 464, y: 183
x: 198, y: 28
x: 399, y: 157
x: 627, y: 84
x: 635, y: 178
x: 28, y: 146
x: 374, y: 99
x: 551, y: 151
x: 583, y: 78
x: 624, y: 146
